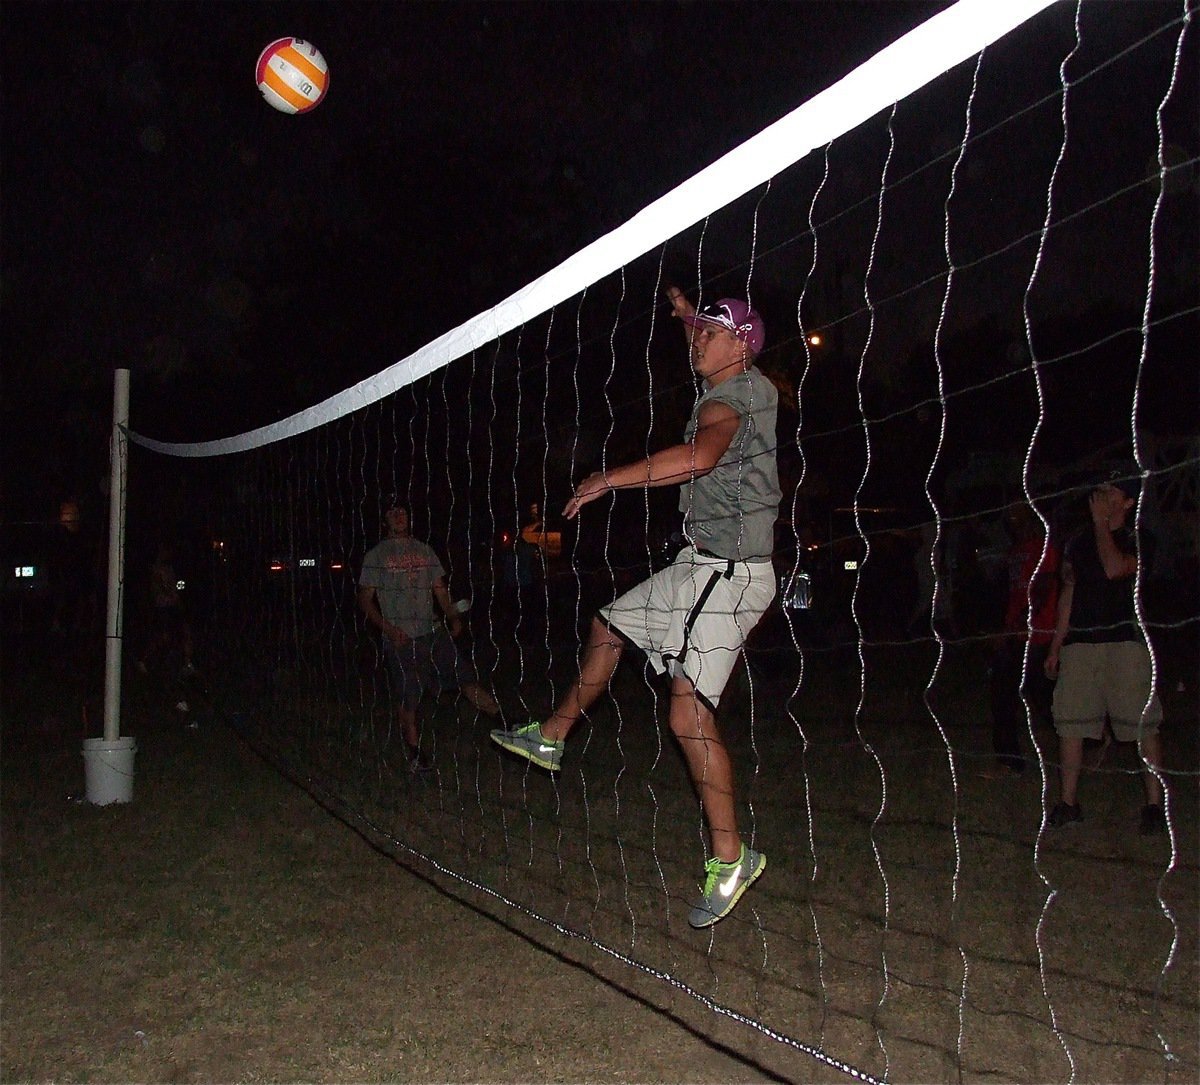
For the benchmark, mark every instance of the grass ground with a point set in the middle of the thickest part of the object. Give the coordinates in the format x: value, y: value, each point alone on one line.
x: 224, y: 927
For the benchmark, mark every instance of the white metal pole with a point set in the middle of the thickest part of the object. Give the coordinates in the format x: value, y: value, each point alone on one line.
x: 114, y: 624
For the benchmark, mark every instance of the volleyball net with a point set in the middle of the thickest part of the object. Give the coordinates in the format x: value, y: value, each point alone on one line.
x: 975, y: 259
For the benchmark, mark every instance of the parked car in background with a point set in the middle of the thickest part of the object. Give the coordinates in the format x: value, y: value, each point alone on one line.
x: 27, y: 553
x: 51, y: 576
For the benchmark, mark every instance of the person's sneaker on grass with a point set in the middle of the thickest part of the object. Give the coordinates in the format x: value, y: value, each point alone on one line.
x: 530, y: 743
x: 1064, y: 813
x: 1152, y: 821
x: 724, y: 884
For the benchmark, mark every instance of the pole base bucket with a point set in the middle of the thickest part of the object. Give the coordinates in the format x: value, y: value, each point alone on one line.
x: 108, y: 769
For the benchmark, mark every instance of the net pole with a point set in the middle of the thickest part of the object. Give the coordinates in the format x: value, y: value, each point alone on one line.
x: 113, y: 624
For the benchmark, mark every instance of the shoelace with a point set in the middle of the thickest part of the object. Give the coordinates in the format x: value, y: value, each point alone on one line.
x: 713, y: 870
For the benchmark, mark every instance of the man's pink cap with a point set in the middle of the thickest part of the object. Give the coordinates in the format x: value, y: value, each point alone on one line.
x: 735, y: 316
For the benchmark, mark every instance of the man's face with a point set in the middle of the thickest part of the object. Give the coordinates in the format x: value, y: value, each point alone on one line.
x: 716, y: 352
x: 397, y: 522
x: 1113, y: 500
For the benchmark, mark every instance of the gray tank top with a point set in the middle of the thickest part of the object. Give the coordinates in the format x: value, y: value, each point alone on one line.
x: 731, y: 511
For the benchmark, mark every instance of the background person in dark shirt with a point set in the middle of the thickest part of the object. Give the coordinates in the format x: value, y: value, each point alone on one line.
x: 1098, y: 652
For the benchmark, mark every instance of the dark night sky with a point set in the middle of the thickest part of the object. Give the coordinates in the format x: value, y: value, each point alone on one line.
x: 245, y: 264
x: 157, y: 214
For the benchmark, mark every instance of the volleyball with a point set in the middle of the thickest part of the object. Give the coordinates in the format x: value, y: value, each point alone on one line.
x: 292, y: 75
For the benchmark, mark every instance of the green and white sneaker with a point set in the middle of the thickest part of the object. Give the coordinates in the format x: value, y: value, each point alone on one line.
x: 724, y: 884
x: 529, y: 742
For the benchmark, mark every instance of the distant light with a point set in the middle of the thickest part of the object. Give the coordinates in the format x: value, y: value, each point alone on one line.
x: 218, y: 544
x: 180, y: 585
x: 336, y: 565
x: 799, y: 593
x: 277, y: 566
x: 815, y: 340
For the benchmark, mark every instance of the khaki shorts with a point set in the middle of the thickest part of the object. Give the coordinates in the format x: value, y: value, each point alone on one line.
x: 692, y: 618
x: 1098, y: 680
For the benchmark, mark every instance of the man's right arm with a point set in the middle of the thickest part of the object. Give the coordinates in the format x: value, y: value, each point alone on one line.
x: 1107, y: 515
x: 680, y: 307
x: 368, y: 603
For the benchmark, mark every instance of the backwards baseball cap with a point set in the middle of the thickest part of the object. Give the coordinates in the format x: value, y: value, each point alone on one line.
x: 734, y: 315
x: 1129, y: 485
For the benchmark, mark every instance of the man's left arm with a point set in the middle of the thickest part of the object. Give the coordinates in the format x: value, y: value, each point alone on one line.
x: 716, y: 426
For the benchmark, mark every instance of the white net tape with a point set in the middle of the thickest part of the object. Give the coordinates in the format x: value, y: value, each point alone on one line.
x: 893, y: 73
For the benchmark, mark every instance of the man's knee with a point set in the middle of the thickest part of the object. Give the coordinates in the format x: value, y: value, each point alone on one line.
x: 689, y: 716
x: 604, y: 637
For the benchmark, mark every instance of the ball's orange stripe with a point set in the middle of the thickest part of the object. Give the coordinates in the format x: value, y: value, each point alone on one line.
x: 293, y: 56
x: 288, y: 94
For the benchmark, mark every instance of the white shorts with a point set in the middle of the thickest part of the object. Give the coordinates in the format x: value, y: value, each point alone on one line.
x: 693, y: 617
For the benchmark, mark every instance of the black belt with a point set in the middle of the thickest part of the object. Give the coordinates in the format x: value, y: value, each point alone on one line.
x: 734, y: 561
x: 729, y: 562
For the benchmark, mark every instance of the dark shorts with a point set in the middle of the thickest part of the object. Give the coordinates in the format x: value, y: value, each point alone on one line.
x: 430, y: 664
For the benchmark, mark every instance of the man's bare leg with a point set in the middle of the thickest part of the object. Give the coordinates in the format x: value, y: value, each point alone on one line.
x: 1151, y: 752
x: 1070, y: 756
x: 408, y: 727
x: 695, y: 726
x: 480, y: 698
x: 600, y: 660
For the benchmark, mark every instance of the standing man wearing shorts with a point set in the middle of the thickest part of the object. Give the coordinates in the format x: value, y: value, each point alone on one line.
x: 401, y: 578
x: 1099, y: 654
x: 692, y: 618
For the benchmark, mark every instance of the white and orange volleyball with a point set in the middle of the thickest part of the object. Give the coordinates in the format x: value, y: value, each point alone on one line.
x: 292, y: 75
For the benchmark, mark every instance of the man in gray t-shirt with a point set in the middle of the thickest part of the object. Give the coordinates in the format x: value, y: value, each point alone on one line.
x: 692, y: 618
x: 405, y: 573
x: 401, y: 579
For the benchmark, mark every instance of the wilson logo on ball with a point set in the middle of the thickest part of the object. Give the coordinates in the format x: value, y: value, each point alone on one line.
x: 292, y: 75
